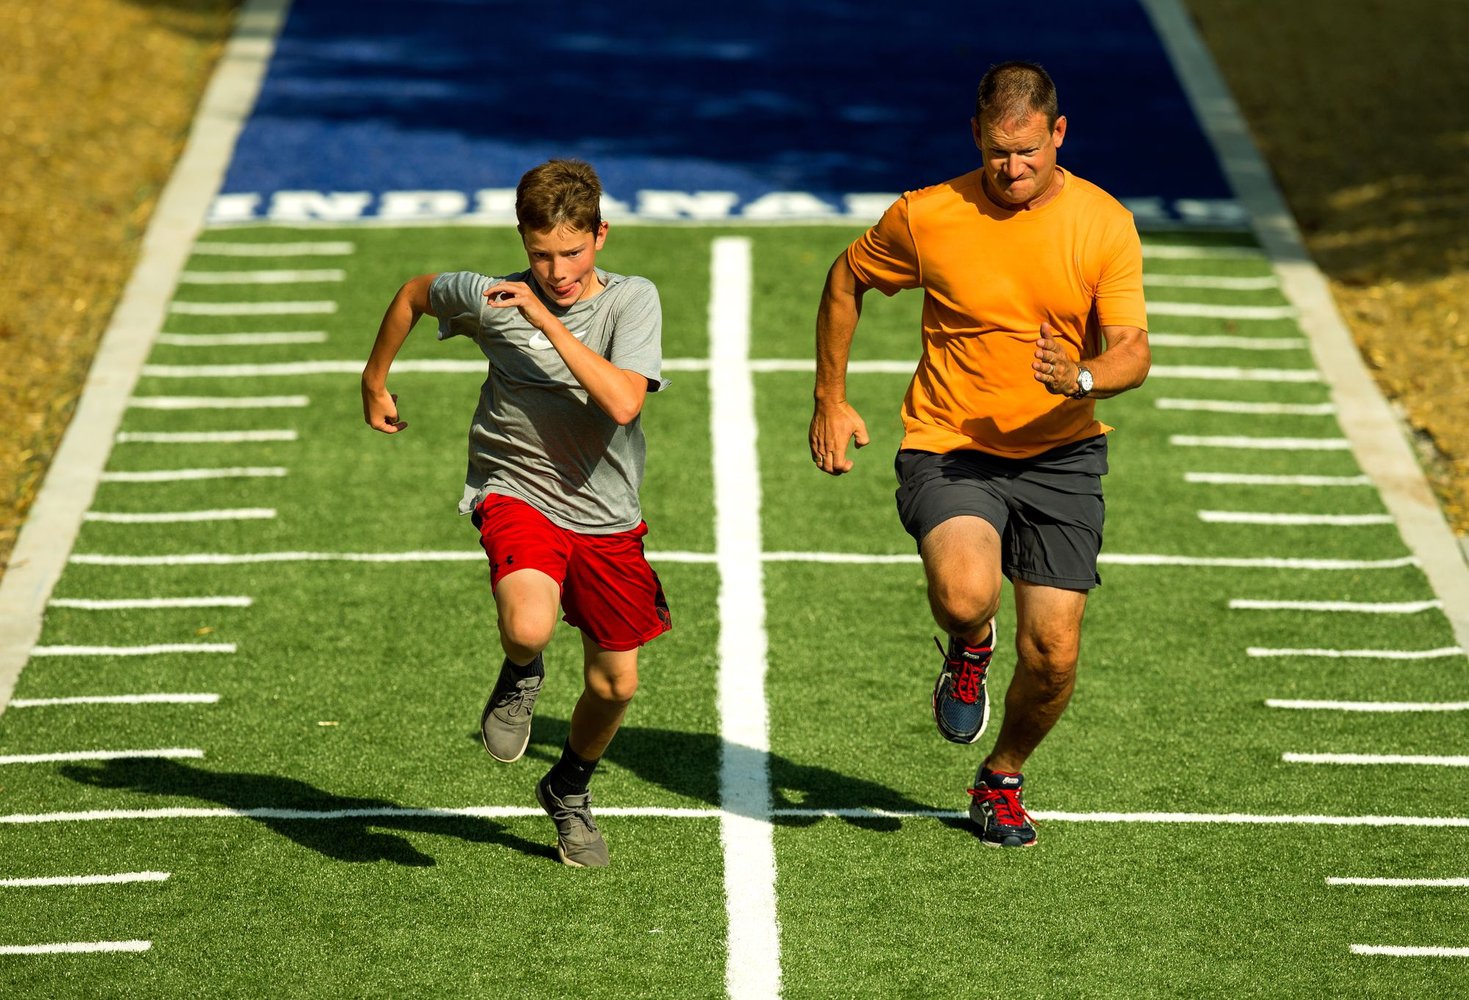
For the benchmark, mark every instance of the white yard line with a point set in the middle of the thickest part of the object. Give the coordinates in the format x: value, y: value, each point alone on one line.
x: 313, y: 308
x: 219, y: 402
x: 1367, y: 706
x: 117, y: 699
x: 752, y: 959
x: 1440, y: 653
x: 1426, y: 760
x: 288, y: 368
x: 1164, y: 251
x: 206, y: 437
x: 1456, y: 883
x: 149, y: 650
x: 132, y: 603
x: 57, y: 880
x: 1206, y: 373
x: 1241, y: 406
x: 1358, y: 607
x: 73, y: 755
x: 242, y: 339
x: 261, y: 277
x: 1255, y: 479
x: 1259, y: 443
x: 1262, y: 283
x: 74, y: 947
x: 1228, y: 343
x: 1255, y: 517
x: 1410, y: 951
x: 1207, y: 311
x: 326, y: 248
x: 187, y: 475
x: 181, y: 516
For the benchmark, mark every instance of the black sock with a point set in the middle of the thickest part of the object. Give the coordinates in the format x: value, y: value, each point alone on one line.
x: 535, y: 668
x: 572, y: 774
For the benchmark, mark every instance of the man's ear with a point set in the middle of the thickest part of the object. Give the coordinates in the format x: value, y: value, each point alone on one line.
x: 1058, y: 134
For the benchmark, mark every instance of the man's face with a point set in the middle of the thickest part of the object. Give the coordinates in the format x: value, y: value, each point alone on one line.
x: 1019, y: 156
x: 562, y: 260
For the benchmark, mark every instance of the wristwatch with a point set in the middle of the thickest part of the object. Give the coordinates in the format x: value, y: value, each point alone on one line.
x: 1083, y: 382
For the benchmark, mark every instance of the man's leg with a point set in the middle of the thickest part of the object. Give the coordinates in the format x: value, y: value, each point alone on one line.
x: 526, y: 602
x: 611, y: 682
x: 1047, y: 641
x: 961, y: 558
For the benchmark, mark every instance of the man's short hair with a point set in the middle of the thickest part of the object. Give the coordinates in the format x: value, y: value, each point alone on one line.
x: 559, y: 193
x: 1014, y: 90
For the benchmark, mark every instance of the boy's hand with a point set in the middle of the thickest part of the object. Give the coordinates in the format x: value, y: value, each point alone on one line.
x: 518, y: 295
x: 380, y: 410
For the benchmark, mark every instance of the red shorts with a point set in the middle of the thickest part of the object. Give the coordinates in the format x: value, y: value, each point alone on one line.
x: 608, y: 590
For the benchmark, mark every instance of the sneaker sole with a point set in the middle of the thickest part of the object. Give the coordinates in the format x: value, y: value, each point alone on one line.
x: 979, y: 822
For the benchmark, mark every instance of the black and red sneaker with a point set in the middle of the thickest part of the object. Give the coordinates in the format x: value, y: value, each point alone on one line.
x: 961, y: 708
x: 995, y: 807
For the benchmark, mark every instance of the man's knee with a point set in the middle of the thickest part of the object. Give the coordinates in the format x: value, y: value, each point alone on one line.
x: 1050, y: 660
x: 961, y: 609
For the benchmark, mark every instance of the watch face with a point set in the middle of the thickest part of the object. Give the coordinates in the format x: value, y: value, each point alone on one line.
x: 1084, y: 380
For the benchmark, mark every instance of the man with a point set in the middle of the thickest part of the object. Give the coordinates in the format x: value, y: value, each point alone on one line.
x: 1033, y: 308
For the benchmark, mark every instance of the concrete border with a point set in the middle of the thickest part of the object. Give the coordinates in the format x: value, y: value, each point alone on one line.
x: 1379, y: 439
x: 46, y: 538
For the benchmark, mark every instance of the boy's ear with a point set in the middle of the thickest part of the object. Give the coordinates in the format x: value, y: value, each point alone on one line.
x: 601, y: 234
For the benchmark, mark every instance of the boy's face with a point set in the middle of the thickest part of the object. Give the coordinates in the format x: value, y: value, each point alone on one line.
x: 562, y: 260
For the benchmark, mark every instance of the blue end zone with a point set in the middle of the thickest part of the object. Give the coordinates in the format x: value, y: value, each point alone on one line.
x: 448, y: 102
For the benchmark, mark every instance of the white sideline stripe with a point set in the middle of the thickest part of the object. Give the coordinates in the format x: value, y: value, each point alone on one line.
x: 206, y: 437
x: 155, y: 649
x: 182, y: 516
x: 1253, y: 479
x: 1354, y: 654
x: 242, y: 339
x: 1219, y: 311
x: 1374, y: 758
x: 1206, y: 373
x: 260, y: 277
x: 1252, y: 517
x: 1259, y: 443
x: 120, y: 878
x: 47, y: 758
x: 467, y: 555
x: 1233, y: 343
x: 1164, y: 251
x: 1210, y: 281
x: 74, y: 947
x: 1400, y: 882
x: 421, y: 367
x: 328, y: 248
x: 252, y: 308
x: 181, y: 475
x: 1362, y: 607
x: 1410, y: 951
x: 1240, y: 406
x: 118, y: 699
x: 752, y: 957
x: 656, y: 812
x: 1367, y: 706
x: 128, y: 603
x: 218, y: 402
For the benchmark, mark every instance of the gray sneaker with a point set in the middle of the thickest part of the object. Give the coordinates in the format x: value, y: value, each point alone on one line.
x: 578, y: 841
x: 505, y: 724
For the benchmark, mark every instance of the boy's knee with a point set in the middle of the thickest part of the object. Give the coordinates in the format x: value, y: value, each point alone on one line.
x: 616, y: 688
x: 528, y: 629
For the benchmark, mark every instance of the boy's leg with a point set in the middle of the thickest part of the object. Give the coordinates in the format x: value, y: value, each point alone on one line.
x: 526, y: 602
x: 611, y: 682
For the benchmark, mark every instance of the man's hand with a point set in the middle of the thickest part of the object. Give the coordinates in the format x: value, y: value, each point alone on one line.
x: 380, y: 410
x: 1054, y: 369
x: 832, y: 426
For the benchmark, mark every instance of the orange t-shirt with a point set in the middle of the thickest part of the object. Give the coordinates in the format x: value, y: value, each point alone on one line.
x: 989, y: 277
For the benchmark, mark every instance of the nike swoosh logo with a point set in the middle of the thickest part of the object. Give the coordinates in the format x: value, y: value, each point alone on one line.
x: 538, y: 341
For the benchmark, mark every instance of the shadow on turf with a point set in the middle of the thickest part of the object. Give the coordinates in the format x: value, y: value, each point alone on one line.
x: 687, y: 764
x: 351, y: 838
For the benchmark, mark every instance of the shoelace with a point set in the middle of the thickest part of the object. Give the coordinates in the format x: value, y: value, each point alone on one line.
x: 1006, y: 804
x: 967, y: 676
x: 514, y: 699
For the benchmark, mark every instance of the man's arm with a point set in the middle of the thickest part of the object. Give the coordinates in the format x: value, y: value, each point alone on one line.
x: 834, y: 421
x: 379, y: 407
x: 1121, y: 366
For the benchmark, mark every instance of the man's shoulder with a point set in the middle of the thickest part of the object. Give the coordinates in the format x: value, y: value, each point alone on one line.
x: 1093, y: 198
x: 945, y: 193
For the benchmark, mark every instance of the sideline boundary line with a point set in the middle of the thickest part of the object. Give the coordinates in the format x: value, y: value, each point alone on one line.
x: 1375, y: 432
x: 46, y: 537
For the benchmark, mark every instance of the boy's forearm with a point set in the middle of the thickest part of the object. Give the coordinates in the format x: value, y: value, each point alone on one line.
x: 617, y: 392
x: 401, y: 316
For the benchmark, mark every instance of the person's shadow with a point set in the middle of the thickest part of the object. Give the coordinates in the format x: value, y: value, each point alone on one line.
x: 359, y: 833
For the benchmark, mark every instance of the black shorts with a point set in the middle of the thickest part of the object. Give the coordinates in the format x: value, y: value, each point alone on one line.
x: 1047, y: 509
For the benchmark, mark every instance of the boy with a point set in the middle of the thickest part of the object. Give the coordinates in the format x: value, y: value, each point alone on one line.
x: 555, y: 463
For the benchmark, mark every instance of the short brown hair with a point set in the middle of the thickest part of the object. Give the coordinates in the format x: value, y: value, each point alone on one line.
x: 1016, y: 89
x: 559, y: 193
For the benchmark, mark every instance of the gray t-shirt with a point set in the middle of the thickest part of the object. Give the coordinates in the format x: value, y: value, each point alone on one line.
x: 536, y: 434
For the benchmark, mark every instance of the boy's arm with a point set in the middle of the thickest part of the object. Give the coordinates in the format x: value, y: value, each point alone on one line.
x: 379, y: 407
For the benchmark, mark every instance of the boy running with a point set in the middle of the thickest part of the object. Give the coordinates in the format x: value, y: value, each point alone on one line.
x: 556, y: 455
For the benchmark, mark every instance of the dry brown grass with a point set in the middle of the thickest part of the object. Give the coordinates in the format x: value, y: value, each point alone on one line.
x: 1357, y: 104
